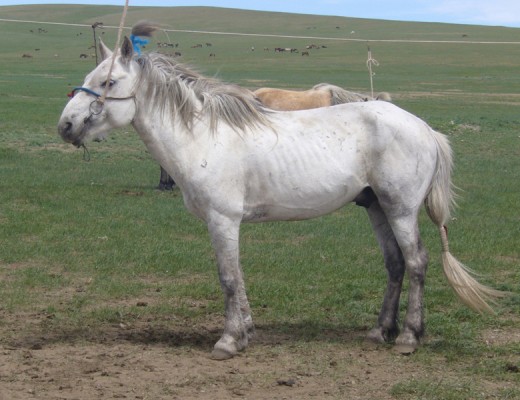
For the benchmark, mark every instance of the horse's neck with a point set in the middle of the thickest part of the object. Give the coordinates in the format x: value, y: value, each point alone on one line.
x: 167, y: 138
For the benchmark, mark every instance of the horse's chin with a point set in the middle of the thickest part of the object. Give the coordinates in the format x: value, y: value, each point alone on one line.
x: 89, y: 136
x: 75, y: 140
x: 81, y: 139
x: 100, y: 137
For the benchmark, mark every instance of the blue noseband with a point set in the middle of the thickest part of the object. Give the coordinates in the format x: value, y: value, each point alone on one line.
x: 96, y: 94
x: 83, y: 89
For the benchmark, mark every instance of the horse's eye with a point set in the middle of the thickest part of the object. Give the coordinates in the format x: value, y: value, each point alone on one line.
x: 110, y: 84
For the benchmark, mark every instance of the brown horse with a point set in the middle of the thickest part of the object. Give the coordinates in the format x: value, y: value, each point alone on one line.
x: 321, y: 95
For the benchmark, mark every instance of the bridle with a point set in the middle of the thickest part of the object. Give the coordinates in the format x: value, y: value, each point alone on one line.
x: 96, y: 94
x: 100, y: 99
x: 96, y: 106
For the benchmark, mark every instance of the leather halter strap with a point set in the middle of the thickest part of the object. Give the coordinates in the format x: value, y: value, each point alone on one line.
x: 96, y: 94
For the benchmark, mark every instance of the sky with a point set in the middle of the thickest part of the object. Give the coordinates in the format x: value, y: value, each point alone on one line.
x: 474, y: 12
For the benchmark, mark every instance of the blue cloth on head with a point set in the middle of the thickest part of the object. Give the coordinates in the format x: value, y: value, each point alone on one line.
x: 138, y: 42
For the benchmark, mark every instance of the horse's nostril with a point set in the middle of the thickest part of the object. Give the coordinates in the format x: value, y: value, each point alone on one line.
x: 65, y: 129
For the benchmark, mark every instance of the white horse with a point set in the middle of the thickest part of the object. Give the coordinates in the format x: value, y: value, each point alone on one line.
x: 236, y: 161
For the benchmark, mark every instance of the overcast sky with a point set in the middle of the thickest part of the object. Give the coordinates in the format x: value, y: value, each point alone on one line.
x: 478, y: 12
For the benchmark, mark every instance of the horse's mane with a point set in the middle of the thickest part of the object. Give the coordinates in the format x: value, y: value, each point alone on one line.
x: 173, y: 87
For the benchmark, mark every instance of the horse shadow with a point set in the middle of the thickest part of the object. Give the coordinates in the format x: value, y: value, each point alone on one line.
x: 197, y: 336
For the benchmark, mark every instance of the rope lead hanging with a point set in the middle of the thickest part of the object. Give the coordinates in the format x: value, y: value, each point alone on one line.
x: 86, y: 153
x: 101, y: 100
x: 370, y: 62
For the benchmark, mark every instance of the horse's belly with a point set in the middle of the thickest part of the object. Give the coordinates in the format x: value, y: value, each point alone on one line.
x: 302, y: 184
x: 299, y: 206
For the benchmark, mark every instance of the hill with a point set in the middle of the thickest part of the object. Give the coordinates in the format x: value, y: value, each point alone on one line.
x: 416, y: 59
x: 274, y: 23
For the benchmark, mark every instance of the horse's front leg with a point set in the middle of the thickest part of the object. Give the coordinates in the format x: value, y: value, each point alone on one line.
x: 238, y: 325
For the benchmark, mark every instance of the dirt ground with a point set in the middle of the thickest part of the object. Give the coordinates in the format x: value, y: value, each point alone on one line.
x: 118, y: 361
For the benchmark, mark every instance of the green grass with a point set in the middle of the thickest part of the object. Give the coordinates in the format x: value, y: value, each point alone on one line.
x: 85, y: 242
x: 447, y: 390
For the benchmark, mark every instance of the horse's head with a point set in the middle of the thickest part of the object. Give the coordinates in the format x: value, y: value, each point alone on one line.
x: 87, y: 116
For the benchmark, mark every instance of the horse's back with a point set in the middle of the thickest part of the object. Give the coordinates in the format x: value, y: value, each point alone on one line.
x: 309, y: 163
x: 378, y: 141
x: 292, y: 100
x: 315, y: 162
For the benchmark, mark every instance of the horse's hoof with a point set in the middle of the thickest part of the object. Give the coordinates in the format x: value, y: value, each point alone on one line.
x: 405, y: 349
x: 227, y: 347
x: 375, y: 336
x: 222, y: 354
x: 164, y: 188
x: 407, y: 343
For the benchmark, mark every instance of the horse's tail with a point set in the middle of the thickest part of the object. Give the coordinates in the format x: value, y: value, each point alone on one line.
x: 439, y: 203
x: 384, y: 96
x: 339, y: 95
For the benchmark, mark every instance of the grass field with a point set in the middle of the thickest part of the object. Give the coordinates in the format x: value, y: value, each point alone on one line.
x: 91, y: 255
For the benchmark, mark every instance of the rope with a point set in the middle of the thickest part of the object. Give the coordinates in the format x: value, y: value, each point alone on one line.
x: 86, y: 153
x: 101, y: 100
x: 371, y: 62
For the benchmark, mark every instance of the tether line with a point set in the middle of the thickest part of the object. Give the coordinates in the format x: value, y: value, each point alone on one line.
x: 101, y: 100
x: 375, y: 63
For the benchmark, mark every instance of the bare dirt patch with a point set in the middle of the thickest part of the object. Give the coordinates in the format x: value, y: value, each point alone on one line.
x: 504, y: 335
x: 170, y: 360
x: 143, y: 362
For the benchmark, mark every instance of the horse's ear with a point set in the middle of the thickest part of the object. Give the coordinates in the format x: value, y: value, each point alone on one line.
x: 104, y: 51
x: 127, y: 50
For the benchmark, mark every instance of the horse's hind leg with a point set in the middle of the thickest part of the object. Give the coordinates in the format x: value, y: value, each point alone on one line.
x: 166, y: 182
x: 406, y: 231
x: 387, y: 328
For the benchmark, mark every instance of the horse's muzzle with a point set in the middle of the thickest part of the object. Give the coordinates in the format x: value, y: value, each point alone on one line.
x: 65, y: 128
x: 68, y: 134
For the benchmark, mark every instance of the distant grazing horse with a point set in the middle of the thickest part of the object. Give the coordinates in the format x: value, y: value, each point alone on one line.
x: 321, y: 95
x: 236, y: 161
